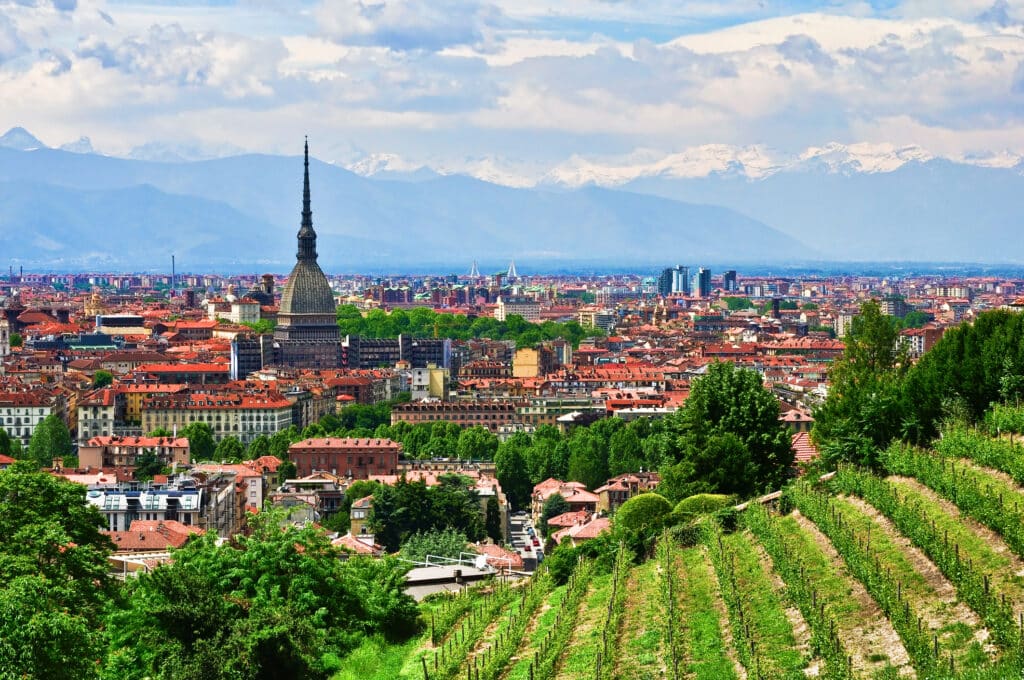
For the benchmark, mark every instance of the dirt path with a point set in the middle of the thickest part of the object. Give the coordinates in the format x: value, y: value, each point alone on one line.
x: 945, y: 608
x: 526, y: 646
x: 870, y: 635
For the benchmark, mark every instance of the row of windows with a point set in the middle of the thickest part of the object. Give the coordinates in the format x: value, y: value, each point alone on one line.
x: 458, y: 417
x: 25, y: 411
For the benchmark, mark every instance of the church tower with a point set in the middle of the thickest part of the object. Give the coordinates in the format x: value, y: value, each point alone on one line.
x: 307, y: 334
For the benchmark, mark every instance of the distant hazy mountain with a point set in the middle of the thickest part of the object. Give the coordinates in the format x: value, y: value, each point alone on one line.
x: 64, y: 208
x: 709, y: 204
x: 81, y: 145
x: 921, y: 211
x: 20, y: 139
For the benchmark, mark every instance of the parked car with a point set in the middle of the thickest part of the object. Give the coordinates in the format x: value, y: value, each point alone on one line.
x: 536, y: 541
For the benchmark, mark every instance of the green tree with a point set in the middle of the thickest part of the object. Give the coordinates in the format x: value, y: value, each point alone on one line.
x: 492, y: 520
x: 258, y: 447
x: 286, y: 470
x: 625, y: 452
x: 102, y: 379
x: 54, y: 576
x: 588, y: 458
x: 511, y: 470
x: 700, y: 504
x: 16, y: 340
x: 51, y: 439
x: 440, y: 543
x: 721, y: 464
x: 554, y: 506
x: 864, y: 409
x: 229, y: 450
x: 735, y: 304
x: 148, y: 464
x: 976, y: 364
x: 277, y: 603
x: 200, y: 440
x: 733, y: 401
x: 477, y: 443
x: 261, y: 327
x: 41, y: 637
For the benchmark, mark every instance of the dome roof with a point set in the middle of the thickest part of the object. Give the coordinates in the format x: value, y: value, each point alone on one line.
x: 307, y: 291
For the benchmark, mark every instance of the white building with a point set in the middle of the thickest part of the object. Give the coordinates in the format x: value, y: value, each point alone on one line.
x: 524, y: 307
x: 120, y: 508
x: 21, y: 412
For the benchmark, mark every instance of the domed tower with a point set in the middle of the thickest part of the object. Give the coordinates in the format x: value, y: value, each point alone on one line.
x: 307, y: 334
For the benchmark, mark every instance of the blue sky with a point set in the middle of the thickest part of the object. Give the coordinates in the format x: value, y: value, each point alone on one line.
x: 516, y: 89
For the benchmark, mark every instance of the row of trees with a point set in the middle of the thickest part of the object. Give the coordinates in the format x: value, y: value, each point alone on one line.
x: 877, y: 395
x: 424, y: 322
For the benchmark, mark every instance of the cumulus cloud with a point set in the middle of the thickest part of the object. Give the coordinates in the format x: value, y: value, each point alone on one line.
x: 407, y: 24
x: 11, y: 42
x: 170, y: 54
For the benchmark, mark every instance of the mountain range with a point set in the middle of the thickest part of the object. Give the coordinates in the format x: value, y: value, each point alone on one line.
x: 74, y: 208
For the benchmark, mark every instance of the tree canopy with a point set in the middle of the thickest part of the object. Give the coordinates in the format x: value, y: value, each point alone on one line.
x: 727, y: 437
x: 51, y: 439
x: 54, y: 580
x: 276, y: 603
x: 424, y: 322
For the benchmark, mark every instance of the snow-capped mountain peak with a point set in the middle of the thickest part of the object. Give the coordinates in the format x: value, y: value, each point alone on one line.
x: 862, y: 157
x: 377, y: 163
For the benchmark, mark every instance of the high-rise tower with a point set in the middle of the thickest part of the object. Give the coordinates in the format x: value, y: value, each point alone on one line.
x: 307, y: 334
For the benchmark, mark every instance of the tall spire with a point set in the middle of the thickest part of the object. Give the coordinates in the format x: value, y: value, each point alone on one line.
x: 307, y: 237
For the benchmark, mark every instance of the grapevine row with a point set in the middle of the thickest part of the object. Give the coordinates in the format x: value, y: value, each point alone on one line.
x: 743, y: 613
x: 669, y: 587
x: 490, y: 661
x: 983, y: 450
x: 802, y: 592
x: 448, y: 658
x: 605, y: 667
x: 546, y: 658
x: 964, y: 487
x: 972, y: 586
x: 867, y: 566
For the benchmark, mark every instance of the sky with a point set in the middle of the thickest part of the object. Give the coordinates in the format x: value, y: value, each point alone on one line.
x: 517, y: 86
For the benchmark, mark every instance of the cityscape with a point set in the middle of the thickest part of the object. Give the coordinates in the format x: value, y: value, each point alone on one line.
x: 473, y: 339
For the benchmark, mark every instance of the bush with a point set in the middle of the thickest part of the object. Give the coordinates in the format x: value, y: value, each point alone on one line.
x: 700, y: 504
x: 643, y: 515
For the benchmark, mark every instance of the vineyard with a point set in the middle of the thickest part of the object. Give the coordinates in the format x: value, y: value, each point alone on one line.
x: 917, y: 572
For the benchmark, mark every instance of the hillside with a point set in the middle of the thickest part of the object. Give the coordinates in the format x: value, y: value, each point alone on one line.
x: 910, y: 574
x: 249, y: 207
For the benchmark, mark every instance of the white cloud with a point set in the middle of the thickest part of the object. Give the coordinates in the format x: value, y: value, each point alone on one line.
x: 443, y: 80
